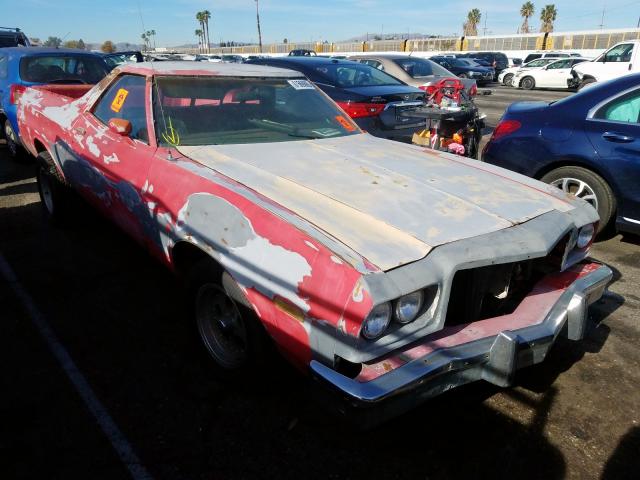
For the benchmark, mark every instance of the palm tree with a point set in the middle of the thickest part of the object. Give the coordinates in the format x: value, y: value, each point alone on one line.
x: 206, y: 16
x: 199, y: 34
x: 153, y: 34
x: 145, y: 39
x: 471, y: 25
x: 259, y: 32
x: 200, y: 19
x: 547, y: 17
x: 526, y: 11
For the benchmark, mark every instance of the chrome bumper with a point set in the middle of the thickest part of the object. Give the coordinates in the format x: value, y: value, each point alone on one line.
x: 494, y: 359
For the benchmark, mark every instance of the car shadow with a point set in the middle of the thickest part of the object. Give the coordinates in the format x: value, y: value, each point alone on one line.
x: 624, y: 463
x: 122, y: 318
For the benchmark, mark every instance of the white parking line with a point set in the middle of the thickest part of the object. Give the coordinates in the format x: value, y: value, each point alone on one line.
x: 120, y: 444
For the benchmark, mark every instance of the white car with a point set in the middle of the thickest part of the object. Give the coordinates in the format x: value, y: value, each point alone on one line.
x: 507, y: 74
x: 554, y: 75
x: 621, y: 59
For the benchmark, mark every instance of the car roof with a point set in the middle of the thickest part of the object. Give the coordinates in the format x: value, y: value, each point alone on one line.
x: 307, y: 60
x: 206, y: 69
x: 45, y: 51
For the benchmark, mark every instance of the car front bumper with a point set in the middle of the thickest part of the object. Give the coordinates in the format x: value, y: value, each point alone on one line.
x: 491, y: 349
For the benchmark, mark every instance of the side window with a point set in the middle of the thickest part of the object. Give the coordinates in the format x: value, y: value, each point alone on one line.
x: 125, y: 99
x: 560, y: 64
x: 622, y: 109
x: 4, y: 66
x: 619, y: 53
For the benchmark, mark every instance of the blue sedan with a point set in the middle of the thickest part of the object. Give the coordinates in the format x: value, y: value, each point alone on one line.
x: 587, y: 144
x: 22, y: 67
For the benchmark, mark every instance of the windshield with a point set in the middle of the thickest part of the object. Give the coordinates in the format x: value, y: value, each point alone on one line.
x: 461, y: 62
x: 62, y: 69
x: 219, y: 111
x: 417, y: 67
x: 353, y: 74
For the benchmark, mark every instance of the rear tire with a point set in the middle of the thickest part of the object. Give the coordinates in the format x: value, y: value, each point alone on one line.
x: 506, y: 81
x: 55, y: 196
x: 528, y: 83
x: 587, y: 185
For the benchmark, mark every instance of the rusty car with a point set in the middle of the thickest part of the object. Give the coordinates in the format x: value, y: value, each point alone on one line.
x: 389, y: 272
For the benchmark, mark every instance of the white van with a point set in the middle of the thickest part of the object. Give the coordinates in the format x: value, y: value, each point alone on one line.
x: 621, y: 59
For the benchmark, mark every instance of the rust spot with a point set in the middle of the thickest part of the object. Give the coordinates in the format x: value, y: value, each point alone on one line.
x: 291, y: 310
x: 387, y: 366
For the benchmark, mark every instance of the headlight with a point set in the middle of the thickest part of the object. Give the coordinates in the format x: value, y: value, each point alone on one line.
x: 408, y: 307
x: 377, y: 321
x: 585, y: 235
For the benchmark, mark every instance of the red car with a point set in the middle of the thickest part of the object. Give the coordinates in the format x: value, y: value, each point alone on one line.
x: 389, y: 272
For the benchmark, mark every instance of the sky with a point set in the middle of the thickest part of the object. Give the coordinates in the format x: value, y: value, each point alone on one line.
x: 297, y: 20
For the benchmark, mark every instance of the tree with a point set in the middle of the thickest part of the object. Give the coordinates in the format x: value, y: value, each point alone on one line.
x: 258, y: 21
x: 471, y: 25
x: 145, y: 39
x: 108, y: 47
x: 200, y: 19
x: 81, y: 45
x: 70, y: 44
x: 547, y: 17
x: 199, y: 34
x: 206, y: 16
x: 151, y: 34
x: 285, y: 41
x: 54, y: 42
x: 526, y: 11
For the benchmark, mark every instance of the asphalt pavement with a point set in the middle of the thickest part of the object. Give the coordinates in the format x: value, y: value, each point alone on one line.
x: 102, y: 377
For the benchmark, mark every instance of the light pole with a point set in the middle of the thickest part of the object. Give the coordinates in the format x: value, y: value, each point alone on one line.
x: 259, y: 32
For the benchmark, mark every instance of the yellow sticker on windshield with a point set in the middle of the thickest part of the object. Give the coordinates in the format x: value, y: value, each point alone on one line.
x: 118, y: 101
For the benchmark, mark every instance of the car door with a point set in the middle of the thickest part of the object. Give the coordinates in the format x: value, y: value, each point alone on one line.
x: 613, y: 127
x: 118, y: 161
x: 554, y: 75
x: 614, y: 62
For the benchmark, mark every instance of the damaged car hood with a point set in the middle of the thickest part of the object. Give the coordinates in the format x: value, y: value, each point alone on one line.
x: 389, y: 202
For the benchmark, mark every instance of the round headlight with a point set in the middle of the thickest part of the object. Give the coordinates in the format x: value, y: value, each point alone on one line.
x: 377, y: 321
x: 585, y: 235
x: 408, y: 306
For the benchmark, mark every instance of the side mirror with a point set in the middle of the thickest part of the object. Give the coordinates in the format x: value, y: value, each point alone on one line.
x: 120, y: 126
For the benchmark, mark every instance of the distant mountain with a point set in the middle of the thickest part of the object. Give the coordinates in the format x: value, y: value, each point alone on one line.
x: 385, y: 36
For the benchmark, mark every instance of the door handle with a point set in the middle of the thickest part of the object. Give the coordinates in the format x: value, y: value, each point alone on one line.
x: 617, y: 137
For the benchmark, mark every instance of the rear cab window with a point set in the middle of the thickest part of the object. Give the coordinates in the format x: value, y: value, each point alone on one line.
x: 417, y: 68
x: 348, y: 75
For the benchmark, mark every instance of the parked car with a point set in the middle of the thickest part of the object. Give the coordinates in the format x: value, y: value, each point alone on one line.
x: 13, y: 37
x: 301, y: 52
x: 415, y: 71
x: 232, y: 59
x: 514, y: 62
x: 373, y: 98
x: 114, y: 59
x: 621, y: 59
x: 545, y: 54
x: 587, y: 144
x: 497, y: 60
x: 506, y: 76
x: 23, y: 67
x: 553, y: 75
x: 466, y: 68
x: 389, y: 274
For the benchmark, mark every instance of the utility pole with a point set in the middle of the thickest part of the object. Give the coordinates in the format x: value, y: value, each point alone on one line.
x: 602, y: 19
x: 484, y: 30
x: 259, y: 32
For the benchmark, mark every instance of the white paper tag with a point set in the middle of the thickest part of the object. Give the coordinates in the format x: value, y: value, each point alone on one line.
x: 301, y: 84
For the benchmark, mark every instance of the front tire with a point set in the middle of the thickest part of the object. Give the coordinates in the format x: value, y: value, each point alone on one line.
x: 234, y: 340
x: 585, y: 82
x: 587, y: 185
x: 506, y: 81
x: 528, y: 83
